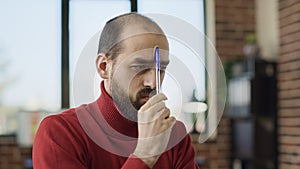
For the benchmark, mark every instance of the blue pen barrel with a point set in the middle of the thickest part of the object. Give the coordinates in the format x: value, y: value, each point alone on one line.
x: 157, y: 74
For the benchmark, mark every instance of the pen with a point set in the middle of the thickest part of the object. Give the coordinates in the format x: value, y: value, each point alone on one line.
x: 157, y: 68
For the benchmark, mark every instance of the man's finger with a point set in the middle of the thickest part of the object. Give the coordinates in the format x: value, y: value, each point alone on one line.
x: 152, y: 113
x: 152, y: 101
x: 168, y: 124
x: 165, y: 114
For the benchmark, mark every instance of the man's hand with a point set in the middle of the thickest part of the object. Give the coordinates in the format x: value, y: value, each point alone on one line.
x: 154, y: 128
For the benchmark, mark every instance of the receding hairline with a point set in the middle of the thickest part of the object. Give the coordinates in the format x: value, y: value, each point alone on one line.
x: 135, y: 24
x: 125, y: 26
x: 134, y: 18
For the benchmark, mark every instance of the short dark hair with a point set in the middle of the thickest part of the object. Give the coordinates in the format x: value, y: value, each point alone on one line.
x: 110, y: 38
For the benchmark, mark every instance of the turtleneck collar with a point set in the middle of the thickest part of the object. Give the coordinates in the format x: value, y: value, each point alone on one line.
x: 113, y: 116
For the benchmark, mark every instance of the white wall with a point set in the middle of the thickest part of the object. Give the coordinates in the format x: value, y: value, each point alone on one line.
x: 267, y: 28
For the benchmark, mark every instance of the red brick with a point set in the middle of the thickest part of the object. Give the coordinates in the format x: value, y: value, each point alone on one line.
x: 294, y: 159
x: 294, y: 131
x: 3, y: 162
x: 8, y: 141
x: 225, y: 130
x: 289, y: 122
x: 289, y: 66
x: 289, y: 140
x: 289, y: 94
x: 291, y: 19
x: 290, y: 38
x: 5, y: 151
x: 288, y: 166
x: 235, y: 4
x: 225, y: 12
x: 223, y: 140
x: 291, y: 112
x: 230, y: 51
x: 291, y: 56
x: 289, y: 85
x: 287, y: 3
x: 238, y: 36
x: 292, y: 75
x: 224, y: 163
x: 288, y: 11
x: 289, y: 149
x: 224, y: 148
x: 235, y: 16
x: 221, y: 154
x: 287, y: 48
x: 292, y: 28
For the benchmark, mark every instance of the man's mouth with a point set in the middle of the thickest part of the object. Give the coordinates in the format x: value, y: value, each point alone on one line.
x: 145, y: 97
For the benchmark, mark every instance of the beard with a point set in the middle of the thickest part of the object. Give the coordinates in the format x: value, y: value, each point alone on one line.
x: 128, y: 106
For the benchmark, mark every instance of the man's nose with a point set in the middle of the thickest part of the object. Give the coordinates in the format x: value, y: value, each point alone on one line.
x: 150, y: 79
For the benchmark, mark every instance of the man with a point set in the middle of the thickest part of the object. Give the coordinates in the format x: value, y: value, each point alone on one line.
x: 129, y: 126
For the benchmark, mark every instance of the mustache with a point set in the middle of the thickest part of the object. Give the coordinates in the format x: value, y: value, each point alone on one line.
x: 146, y: 92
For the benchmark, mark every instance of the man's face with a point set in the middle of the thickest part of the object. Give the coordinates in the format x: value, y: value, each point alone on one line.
x: 133, y: 79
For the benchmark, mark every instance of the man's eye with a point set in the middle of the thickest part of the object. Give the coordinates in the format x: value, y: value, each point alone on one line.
x: 138, y: 67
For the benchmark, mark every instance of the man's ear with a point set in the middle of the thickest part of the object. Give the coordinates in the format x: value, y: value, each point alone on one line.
x: 102, y: 66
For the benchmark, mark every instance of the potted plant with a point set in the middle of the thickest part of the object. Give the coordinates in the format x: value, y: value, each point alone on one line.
x: 251, y: 49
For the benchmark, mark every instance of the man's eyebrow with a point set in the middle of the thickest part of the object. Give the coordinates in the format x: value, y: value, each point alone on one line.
x: 147, y: 61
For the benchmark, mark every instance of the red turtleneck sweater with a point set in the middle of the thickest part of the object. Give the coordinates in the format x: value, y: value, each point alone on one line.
x: 97, y: 136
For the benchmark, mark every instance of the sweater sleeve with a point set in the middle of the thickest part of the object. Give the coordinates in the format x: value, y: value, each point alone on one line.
x: 57, y: 146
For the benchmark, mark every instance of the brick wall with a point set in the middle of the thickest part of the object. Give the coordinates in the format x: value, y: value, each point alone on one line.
x: 234, y: 20
x: 289, y: 85
x: 216, y: 153
x: 12, y: 156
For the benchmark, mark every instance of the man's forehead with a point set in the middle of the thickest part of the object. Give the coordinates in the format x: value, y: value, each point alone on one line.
x: 146, y: 55
x: 143, y: 56
x: 145, y: 41
x: 141, y: 44
x: 139, y: 30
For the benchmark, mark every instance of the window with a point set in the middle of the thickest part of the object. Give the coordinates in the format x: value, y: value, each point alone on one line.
x: 86, y: 19
x: 30, y: 48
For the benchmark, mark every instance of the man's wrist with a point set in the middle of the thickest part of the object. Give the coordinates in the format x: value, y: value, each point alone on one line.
x: 150, y: 161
